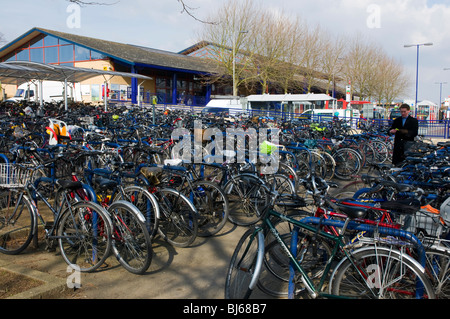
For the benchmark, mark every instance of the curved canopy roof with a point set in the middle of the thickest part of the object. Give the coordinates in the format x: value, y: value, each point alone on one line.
x: 18, y: 72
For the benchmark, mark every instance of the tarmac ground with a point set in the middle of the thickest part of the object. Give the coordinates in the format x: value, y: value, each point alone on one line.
x: 195, y: 272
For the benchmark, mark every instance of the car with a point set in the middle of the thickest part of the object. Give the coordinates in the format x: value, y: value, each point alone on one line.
x: 394, y: 114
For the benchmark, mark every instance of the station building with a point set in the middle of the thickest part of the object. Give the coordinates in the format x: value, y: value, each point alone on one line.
x: 177, y: 78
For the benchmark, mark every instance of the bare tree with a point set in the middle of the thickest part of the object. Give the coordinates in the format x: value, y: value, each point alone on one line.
x: 312, y: 48
x: 358, y: 64
x: 232, y: 37
x: 289, y: 68
x: 373, y: 74
x: 332, y: 59
x: 273, y: 39
x: 185, y: 8
x: 390, y: 80
x: 90, y: 3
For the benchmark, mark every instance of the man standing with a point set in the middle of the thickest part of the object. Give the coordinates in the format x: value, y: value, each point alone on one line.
x: 405, y: 128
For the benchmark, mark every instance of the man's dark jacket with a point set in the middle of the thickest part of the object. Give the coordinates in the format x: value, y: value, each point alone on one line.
x: 405, y: 133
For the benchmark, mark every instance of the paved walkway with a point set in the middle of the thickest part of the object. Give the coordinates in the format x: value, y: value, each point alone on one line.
x: 196, y: 272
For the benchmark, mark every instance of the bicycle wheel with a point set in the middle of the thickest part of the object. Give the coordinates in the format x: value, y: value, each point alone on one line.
x: 283, y: 185
x: 288, y: 171
x: 178, y: 224
x: 348, y: 163
x: 330, y: 165
x: 84, y: 232
x: 312, y: 254
x: 381, y: 151
x: 380, y: 273
x: 245, y: 265
x: 146, y: 203
x: 17, y: 222
x: 212, y: 207
x: 130, y: 239
x: 438, y: 270
x: 247, y: 198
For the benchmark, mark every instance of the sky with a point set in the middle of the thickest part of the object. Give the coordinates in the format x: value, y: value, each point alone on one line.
x: 161, y: 24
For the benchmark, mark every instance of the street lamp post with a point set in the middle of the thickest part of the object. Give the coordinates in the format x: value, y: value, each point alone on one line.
x: 417, y: 70
x: 234, y: 62
x: 440, y: 93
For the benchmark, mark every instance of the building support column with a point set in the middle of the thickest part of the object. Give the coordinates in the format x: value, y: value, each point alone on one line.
x: 134, y: 87
x: 208, y: 93
x: 174, y: 89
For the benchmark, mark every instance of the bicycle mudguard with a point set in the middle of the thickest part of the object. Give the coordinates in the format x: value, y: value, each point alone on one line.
x: 132, y: 207
x: 396, y: 253
x: 259, y: 261
x: 149, y: 195
x: 90, y: 193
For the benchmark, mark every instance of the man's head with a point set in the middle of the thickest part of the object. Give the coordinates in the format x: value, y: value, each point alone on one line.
x: 404, y: 110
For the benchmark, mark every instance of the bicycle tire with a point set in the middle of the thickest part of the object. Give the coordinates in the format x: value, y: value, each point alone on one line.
x: 283, y: 185
x: 288, y: 171
x: 348, y: 163
x: 247, y: 198
x: 438, y: 270
x: 91, y: 227
x: 212, y: 207
x: 17, y: 222
x: 146, y: 203
x: 381, y: 151
x: 245, y: 265
x: 131, y: 242
x: 178, y: 224
x: 313, y: 258
x: 330, y: 165
x: 379, y: 265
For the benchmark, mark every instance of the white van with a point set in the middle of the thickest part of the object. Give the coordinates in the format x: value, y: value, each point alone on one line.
x: 233, y: 106
x: 51, y: 91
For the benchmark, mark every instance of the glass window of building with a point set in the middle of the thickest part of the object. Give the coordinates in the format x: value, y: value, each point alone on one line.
x: 66, y: 53
x: 37, y: 43
x: 62, y: 42
x: 51, y: 55
x: 37, y: 55
x: 49, y: 41
x: 97, y: 55
x: 23, y: 55
x: 82, y: 54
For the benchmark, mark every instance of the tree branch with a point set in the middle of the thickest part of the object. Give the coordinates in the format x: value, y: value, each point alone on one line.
x: 189, y: 9
x: 86, y: 3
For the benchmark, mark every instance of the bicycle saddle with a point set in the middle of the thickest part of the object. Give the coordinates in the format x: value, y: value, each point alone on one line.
x: 352, y: 211
x: 104, y: 184
x: 64, y: 184
x: 397, y: 186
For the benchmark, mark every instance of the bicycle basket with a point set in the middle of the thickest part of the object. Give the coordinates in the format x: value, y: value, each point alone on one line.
x: 14, y: 176
x: 427, y: 226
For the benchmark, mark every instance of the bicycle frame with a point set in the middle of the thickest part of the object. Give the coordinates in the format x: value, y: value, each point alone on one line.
x: 34, y: 195
x: 313, y: 225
